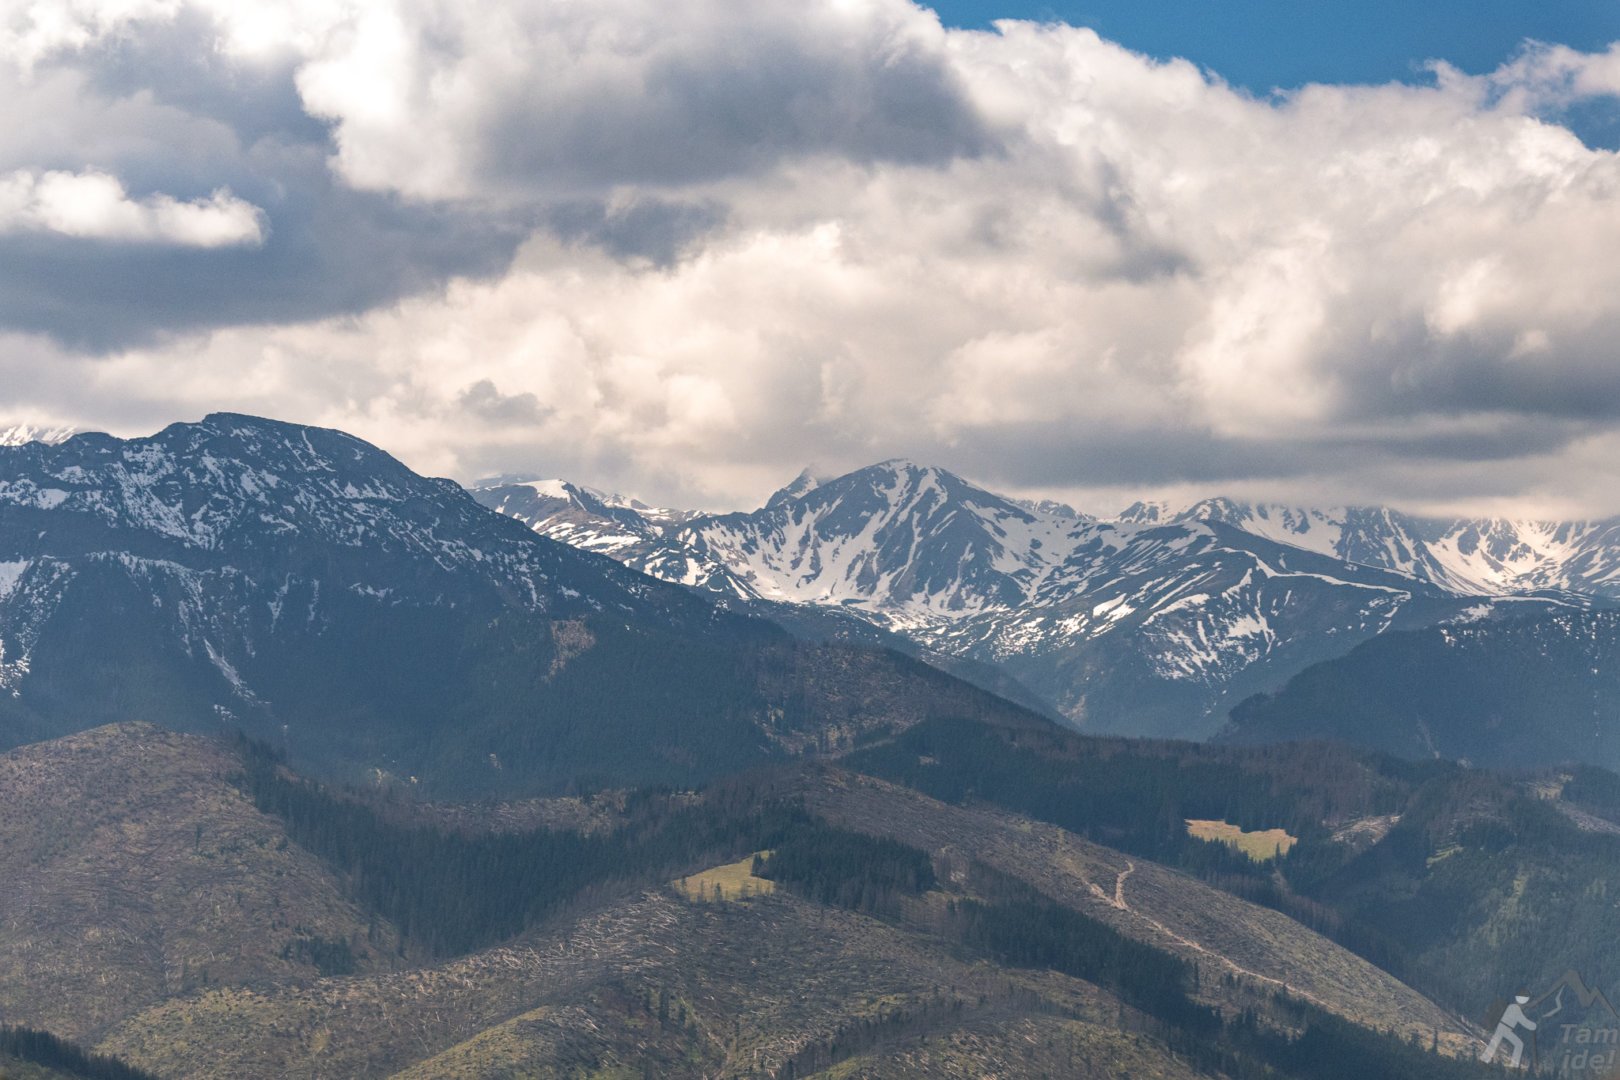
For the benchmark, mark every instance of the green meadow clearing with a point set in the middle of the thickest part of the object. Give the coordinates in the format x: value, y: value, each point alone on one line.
x: 1260, y: 846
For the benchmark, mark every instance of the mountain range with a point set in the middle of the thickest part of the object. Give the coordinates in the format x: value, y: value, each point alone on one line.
x: 322, y: 767
x: 305, y: 587
x: 1155, y: 621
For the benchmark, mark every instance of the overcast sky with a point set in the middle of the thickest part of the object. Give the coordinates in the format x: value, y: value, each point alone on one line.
x: 681, y: 250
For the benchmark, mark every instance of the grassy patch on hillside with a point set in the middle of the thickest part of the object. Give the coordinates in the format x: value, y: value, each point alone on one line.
x: 1262, y: 845
x: 730, y: 882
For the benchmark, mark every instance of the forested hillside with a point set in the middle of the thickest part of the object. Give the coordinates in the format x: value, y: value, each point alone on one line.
x: 1458, y: 881
x: 555, y: 951
x: 1513, y: 694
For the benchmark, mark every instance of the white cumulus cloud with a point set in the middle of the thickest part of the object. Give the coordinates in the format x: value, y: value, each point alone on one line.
x: 750, y: 236
x: 94, y: 205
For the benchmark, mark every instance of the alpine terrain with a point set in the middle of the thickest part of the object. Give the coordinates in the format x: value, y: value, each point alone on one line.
x: 318, y: 767
x: 1154, y: 622
x: 303, y: 586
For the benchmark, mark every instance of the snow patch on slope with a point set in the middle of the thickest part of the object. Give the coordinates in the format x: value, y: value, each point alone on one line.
x: 10, y: 574
x: 12, y: 672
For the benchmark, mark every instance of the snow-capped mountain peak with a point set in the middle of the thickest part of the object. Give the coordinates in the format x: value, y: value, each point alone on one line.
x: 552, y: 489
x: 216, y: 536
x: 623, y: 528
x: 1146, y: 513
x: 1483, y: 556
x: 22, y: 434
x: 1051, y: 508
x: 914, y: 542
x: 796, y: 488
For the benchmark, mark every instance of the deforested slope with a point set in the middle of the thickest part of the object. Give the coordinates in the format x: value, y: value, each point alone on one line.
x: 136, y: 871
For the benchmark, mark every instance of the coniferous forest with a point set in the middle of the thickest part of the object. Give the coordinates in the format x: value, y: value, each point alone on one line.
x: 46, y: 1050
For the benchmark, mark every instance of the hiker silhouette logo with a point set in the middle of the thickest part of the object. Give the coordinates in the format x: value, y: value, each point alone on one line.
x: 1569, y: 1027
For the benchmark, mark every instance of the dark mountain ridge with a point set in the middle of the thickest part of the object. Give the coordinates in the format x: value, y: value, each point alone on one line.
x: 1517, y: 693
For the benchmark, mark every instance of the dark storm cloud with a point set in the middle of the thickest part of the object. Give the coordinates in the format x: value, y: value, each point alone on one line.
x: 483, y: 400
x: 1065, y: 455
x: 1491, y: 370
x: 651, y: 229
x: 180, y: 64
x: 166, y: 111
x: 718, y: 112
x: 329, y: 251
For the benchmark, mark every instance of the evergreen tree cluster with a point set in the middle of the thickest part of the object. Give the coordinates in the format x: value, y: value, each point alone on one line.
x: 1135, y: 796
x: 1481, y: 887
x: 1036, y: 933
x: 325, y: 955
x: 46, y: 1050
x: 451, y: 893
x: 847, y: 869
